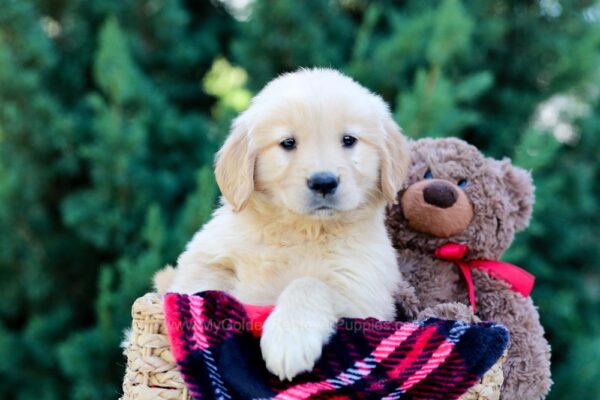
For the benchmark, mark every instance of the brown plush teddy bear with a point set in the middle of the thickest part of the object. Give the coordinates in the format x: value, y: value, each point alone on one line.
x: 454, y: 196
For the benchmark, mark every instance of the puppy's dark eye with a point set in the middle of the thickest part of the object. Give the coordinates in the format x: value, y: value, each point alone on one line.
x: 462, y: 183
x: 348, y: 141
x: 288, y: 144
x: 428, y: 175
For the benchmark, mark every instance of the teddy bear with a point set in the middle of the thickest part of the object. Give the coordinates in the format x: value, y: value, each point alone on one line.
x: 456, y: 214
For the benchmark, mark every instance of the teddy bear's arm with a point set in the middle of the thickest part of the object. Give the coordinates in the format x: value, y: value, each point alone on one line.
x: 407, y: 303
x: 452, y: 310
x: 432, y: 282
x: 527, y: 368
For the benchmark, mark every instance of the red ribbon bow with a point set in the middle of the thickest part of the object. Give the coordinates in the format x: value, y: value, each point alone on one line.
x: 520, y: 280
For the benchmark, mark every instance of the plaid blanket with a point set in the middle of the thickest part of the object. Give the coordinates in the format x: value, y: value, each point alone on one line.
x: 214, y: 339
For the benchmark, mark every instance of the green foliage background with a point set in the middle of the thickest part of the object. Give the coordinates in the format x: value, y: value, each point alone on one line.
x: 111, y: 111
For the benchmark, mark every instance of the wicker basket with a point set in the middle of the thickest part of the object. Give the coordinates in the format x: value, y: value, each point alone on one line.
x: 152, y: 373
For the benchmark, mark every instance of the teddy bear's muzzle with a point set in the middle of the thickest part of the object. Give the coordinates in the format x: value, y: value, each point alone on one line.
x: 437, y: 207
x: 440, y: 194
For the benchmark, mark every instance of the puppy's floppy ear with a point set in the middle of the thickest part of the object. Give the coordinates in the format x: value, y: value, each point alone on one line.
x: 395, y: 159
x: 520, y: 192
x: 234, y: 168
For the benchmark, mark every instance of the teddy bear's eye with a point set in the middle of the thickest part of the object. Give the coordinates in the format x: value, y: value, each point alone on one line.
x: 428, y: 175
x: 462, y: 183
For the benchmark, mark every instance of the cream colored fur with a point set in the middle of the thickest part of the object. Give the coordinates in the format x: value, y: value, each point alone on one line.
x: 269, y: 244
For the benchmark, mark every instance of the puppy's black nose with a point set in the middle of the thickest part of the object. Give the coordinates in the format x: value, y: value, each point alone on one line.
x: 440, y: 194
x: 323, y: 182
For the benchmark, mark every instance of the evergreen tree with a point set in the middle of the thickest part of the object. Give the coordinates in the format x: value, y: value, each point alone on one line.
x: 104, y: 135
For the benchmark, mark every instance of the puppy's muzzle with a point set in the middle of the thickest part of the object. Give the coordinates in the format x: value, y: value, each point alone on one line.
x: 323, y: 183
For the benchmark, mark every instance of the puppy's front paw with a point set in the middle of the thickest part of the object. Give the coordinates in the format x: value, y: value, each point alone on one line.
x: 291, y: 346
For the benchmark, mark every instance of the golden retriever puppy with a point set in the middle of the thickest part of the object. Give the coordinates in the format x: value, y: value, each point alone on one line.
x: 305, y: 174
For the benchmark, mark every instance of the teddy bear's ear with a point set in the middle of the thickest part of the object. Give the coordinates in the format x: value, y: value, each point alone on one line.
x: 519, y: 185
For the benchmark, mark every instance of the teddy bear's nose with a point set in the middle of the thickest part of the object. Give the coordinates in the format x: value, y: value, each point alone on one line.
x: 440, y: 194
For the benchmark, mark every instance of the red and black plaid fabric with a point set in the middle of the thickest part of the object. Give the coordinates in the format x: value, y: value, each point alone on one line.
x: 217, y: 351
